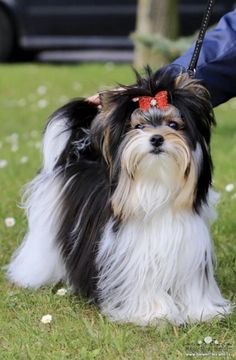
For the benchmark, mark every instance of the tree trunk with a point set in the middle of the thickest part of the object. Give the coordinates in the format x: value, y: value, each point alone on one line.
x: 155, y: 16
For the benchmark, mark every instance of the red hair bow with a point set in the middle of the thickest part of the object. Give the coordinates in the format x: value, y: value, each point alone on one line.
x: 160, y: 100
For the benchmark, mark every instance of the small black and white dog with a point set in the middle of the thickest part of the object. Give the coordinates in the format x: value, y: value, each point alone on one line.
x: 122, y: 205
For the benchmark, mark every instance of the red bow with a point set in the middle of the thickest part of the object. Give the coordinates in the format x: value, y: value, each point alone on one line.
x: 160, y: 100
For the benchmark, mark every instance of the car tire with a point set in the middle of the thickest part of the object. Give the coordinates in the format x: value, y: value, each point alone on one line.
x: 6, y: 36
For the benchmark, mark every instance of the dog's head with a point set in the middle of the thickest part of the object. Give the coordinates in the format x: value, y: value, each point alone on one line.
x: 159, y: 145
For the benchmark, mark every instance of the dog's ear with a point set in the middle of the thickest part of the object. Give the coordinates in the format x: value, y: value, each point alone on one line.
x: 112, y: 99
x: 107, y: 102
x: 193, y: 100
x: 185, y: 82
x: 112, y: 122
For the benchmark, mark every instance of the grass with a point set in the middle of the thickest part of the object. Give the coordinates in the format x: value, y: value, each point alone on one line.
x: 77, y: 330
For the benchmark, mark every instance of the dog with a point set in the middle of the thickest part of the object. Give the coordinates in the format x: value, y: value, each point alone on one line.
x: 122, y: 206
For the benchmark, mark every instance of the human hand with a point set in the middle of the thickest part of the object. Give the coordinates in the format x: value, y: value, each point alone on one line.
x: 95, y: 99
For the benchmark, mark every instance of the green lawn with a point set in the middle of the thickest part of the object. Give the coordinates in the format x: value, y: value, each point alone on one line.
x: 28, y: 94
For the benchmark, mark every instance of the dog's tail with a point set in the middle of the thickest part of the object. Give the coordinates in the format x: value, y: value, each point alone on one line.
x: 68, y: 126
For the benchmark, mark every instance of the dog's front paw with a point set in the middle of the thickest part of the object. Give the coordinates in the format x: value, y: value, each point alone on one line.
x: 208, y: 312
x: 156, y: 312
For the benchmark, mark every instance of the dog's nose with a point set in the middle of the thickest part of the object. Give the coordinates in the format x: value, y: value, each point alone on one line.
x: 157, y: 140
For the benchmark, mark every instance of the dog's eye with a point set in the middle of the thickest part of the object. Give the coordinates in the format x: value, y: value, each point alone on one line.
x: 139, y: 126
x: 173, y: 125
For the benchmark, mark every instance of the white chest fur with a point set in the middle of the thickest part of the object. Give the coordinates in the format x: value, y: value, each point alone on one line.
x: 154, y: 268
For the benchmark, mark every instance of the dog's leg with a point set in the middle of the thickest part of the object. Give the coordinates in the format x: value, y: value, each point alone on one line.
x: 129, y: 277
x: 38, y: 260
x: 202, y: 298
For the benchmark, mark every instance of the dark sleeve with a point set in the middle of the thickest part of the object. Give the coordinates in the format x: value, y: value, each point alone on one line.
x: 217, y: 62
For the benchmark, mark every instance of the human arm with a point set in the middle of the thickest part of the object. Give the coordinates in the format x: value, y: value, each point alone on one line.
x: 217, y: 61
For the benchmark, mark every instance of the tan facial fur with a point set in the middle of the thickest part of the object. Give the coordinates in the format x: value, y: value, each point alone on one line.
x: 175, y: 162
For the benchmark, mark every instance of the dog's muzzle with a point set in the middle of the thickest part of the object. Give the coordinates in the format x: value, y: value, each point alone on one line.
x: 156, y: 142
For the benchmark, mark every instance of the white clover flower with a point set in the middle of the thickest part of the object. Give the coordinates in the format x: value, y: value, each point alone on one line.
x: 10, y: 222
x: 229, y: 187
x: 61, y: 292
x: 13, y: 138
x: 42, y: 103
x: 199, y: 342
x: 3, y: 163
x: 216, y: 342
x: 14, y: 148
x: 46, y: 319
x: 41, y: 90
x: 24, y: 159
x: 208, y: 340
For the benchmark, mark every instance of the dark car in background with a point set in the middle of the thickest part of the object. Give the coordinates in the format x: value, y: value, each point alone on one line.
x: 35, y: 25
